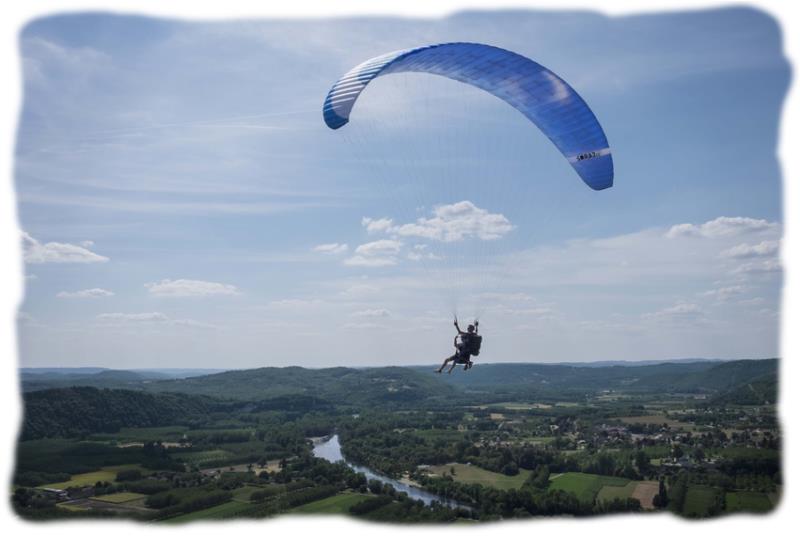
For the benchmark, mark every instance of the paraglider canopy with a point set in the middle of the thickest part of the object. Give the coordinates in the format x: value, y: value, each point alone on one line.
x: 538, y: 93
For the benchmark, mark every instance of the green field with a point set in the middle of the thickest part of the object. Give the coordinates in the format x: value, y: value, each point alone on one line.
x: 106, y: 474
x: 586, y: 486
x: 609, y: 493
x: 699, y: 501
x: 119, y: 498
x: 162, y: 433
x: 203, y: 456
x: 747, y: 501
x: 72, y: 507
x: 470, y: 474
x: 221, y: 511
x: 243, y: 494
x: 338, y: 504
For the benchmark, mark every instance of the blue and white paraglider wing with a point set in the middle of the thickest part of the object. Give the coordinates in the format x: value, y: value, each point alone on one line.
x: 538, y: 93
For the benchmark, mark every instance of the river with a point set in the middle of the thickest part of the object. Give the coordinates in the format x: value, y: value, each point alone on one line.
x: 331, y: 450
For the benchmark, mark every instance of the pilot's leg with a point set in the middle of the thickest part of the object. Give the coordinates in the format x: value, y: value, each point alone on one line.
x: 451, y: 358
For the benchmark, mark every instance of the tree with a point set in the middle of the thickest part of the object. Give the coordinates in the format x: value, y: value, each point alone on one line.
x: 642, y: 462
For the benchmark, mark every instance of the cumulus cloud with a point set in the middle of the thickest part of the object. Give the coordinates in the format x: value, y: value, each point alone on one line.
x: 332, y: 249
x: 379, y: 247
x: 767, y: 248
x: 381, y: 225
x: 449, y: 223
x: 190, y: 287
x: 725, y: 293
x: 370, y: 262
x: 420, y: 251
x: 86, y: 293
x: 35, y: 252
x: 371, y: 313
x: 374, y: 254
x: 769, y: 266
x: 723, y: 226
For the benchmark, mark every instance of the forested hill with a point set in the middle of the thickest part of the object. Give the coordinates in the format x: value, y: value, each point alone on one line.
x: 700, y: 376
x: 76, y: 411
x: 341, y: 386
x: 420, y: 386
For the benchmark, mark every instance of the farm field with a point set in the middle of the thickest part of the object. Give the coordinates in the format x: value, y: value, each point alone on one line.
x: 72, y: 507
x: 585, y: 486
x: 645, y: 491
x: 204, y: 456
x: 243, y: 494
x: 158, y: 433
x: 699, y: 501
x: 520, y: 406
x: 470, y: 474
x: 106, y: 474
x: 609, y: 493
x: 338, y: 504
x: 119, y: 498
x: 221, y: 511
x: 747, y: 501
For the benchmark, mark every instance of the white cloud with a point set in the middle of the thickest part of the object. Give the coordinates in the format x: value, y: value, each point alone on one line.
x: 190, y: 287
x: 35, y: 252
x: 725, y: 293
x: 331, y: 249
x: 370, y: 262
x: 721, y: 227
x: 377, y: 226
x: 767, y: 248
x: 379, y: 247
x: 86, y: 293
x: 133, y: 318
x: 449, y: 223
x: 769, y: 266
x: 371, y: 313
x: 758, y: 300
x: 375, y: 254
x: 420, y: 251
x: 150, y: 319
x: 682, y: 312
x: 380, y: 225
x: 295, y: 303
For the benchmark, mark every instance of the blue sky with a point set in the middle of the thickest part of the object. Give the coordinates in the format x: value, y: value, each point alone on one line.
x: 183, y: 204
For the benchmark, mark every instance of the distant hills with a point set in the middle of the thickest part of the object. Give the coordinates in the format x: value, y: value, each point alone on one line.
x: 35, y: 379
x: 340, y: 385
x: 351, y: 386
x: 58, y: 404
